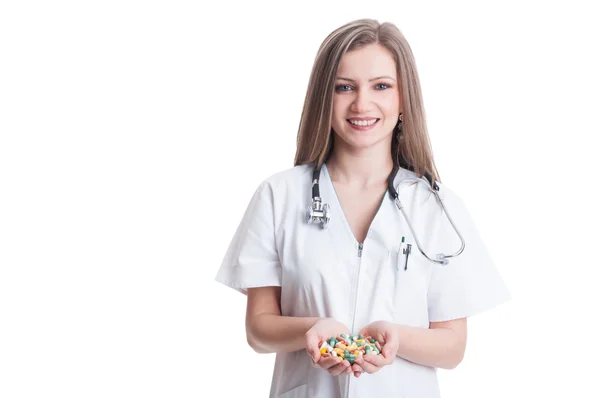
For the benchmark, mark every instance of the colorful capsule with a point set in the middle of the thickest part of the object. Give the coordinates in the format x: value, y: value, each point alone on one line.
x: 348, y: 348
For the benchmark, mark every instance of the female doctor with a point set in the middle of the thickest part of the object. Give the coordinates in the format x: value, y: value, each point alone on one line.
x: 362, y: 135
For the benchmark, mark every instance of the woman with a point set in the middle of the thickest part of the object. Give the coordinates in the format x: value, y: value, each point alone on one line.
x: 363, y: 125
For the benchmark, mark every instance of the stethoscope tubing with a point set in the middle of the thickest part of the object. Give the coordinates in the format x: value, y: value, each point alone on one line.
x: 323, y: 217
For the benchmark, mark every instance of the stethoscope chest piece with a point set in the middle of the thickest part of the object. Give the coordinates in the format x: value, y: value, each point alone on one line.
x: 318, y: 212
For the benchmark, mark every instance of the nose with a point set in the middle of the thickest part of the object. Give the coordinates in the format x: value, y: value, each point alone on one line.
x: 361, y: 103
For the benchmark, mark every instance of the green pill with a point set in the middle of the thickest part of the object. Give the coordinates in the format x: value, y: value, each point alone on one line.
x: 345, y: 336
x: 373, y: 341
x: 360, y: 337
x: 368, y: 349
x: 359, y: 344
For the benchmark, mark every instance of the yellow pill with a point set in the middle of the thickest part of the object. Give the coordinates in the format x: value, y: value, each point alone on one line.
x: 323, y: 350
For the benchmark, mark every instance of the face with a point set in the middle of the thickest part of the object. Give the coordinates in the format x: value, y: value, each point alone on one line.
x: 361, y: 93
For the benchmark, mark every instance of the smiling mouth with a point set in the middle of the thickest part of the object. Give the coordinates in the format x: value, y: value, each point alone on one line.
x: 363, y: 125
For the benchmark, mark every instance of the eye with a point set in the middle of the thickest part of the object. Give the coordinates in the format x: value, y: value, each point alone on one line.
x: 338, y: 88
x: 341, y: 87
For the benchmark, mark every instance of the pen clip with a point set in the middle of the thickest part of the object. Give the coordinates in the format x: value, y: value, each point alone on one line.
x: 407, y: 251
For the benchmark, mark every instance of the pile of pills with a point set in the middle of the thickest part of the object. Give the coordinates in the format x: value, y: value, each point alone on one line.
x: 349, y: 347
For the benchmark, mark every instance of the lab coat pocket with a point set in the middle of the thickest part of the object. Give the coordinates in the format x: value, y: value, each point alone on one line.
x: 411, y: 278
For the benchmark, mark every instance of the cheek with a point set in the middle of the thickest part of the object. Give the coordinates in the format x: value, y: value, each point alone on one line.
x: 339, y: 108
x: 338, y: 116
x: 391, y: 104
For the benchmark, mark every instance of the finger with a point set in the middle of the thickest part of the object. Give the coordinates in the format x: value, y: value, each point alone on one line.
x: 329, y: 362
x: 347, y: 370
x: 312, y: 346
x: 357, y: 369
x: 339, y: 368
x: 369, y: 332
x: 369, y: 364
x: 389, y: 353
x: 377, y: 360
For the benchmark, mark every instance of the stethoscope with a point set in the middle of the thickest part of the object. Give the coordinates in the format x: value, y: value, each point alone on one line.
x: 319, y: 212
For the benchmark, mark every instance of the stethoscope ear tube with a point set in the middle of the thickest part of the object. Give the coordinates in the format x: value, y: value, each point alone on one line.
x: 392, y: 177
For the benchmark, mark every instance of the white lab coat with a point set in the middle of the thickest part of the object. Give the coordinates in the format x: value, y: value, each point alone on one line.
x: 322, y: 275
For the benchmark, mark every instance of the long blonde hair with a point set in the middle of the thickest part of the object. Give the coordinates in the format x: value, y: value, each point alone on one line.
x: 315, y: 141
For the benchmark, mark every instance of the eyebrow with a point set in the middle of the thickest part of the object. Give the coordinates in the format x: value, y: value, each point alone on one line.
x: 375, y: 78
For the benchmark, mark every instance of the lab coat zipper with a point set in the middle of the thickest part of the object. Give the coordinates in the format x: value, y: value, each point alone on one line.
x: 360, y: 250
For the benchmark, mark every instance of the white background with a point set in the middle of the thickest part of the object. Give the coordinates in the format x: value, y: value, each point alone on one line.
x: 133, y: 135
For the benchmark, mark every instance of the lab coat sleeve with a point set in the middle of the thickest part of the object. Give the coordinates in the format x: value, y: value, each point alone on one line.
x: 252, y: 259
x: 470, y: 283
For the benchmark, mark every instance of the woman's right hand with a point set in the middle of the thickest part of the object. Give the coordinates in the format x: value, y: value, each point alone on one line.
x: 321, y: 331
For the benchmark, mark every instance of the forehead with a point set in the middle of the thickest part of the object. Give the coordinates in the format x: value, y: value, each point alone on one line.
x: 366, y: 62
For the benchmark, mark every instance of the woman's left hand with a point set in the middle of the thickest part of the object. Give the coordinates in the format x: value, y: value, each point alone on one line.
x: 388, y: 336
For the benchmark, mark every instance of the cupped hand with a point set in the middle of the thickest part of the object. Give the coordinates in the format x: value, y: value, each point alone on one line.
x: 321, y: 331
x: 388, y: 335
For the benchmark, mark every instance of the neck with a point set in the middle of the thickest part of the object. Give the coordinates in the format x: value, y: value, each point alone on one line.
x: 363, y: 169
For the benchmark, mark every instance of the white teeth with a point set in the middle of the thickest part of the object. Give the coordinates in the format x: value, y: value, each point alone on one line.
x: 363, y: 122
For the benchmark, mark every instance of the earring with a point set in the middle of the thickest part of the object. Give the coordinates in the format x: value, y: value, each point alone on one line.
x: 400, y: 134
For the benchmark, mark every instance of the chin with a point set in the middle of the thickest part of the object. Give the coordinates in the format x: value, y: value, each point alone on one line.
x: 363, y: 142
x: 361, y: 139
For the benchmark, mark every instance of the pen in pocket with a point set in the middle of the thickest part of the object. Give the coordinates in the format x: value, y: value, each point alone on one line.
x: 401, y: 251
x: 407, y: 251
